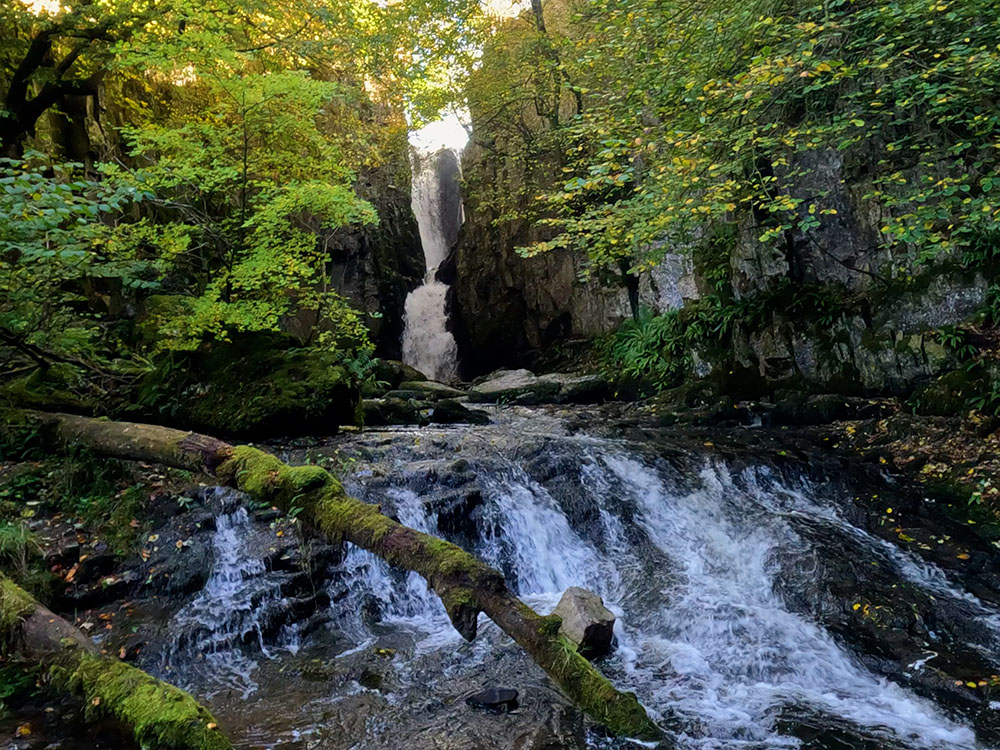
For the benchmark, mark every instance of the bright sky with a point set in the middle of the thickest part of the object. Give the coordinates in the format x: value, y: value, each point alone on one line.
x: 42, y: 6
x: 446, y: 132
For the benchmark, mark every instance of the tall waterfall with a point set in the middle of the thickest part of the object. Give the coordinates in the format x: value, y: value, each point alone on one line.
x: 435, y: 149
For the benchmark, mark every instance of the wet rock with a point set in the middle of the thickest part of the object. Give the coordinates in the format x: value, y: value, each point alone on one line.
x: 524, y: 388
x: 394, y: 372
x: 431, y: 389
x: 501, y: 700
x: 796, y: 409
x: 586, y: 621
x: 388, y: 411
x: 400, y: 394
x: 371, y: 679
x: 450, y: 411
x: 457, y: 514
x: 579, y: 389
x: 514, y: 386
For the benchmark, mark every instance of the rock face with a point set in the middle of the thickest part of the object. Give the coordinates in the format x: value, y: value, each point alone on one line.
x: 586, y: 621
x: 376, y: 266
x: 833, y: 314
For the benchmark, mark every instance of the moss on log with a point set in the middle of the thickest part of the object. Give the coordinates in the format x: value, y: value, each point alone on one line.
x: 159, y: 715
x: 465, y: 584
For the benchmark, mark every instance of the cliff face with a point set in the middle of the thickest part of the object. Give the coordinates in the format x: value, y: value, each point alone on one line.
x: 505, y: 309
x: 375, y: 267
x: 833, y: 317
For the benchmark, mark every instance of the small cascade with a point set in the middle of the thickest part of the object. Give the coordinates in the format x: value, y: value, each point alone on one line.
x: 219, y: 631
x: 435, y: 152
x: 718, y: 577
x: 693, y: 567
x: 392, y: 597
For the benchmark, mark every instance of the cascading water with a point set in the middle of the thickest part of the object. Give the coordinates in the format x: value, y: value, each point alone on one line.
x: 696, y: 559
x: 692, y: 567
x: 234, y: 607
x: 435, y: 152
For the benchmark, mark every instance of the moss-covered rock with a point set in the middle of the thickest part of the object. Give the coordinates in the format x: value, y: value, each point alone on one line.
x: 257, y: 385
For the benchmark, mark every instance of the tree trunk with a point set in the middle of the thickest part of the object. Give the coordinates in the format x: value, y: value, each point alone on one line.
x: 465, y: 584
x: 160, y: 716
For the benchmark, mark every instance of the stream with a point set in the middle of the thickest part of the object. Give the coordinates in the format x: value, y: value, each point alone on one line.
x: 728, y: 579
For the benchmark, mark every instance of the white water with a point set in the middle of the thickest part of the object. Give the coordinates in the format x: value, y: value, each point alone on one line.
x: 693, y: 567
x: 705, y: 638
x: 231, y: 609
x: 428, y: 345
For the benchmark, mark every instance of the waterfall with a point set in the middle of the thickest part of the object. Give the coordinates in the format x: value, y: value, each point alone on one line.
x: 216, y: 635
x: 435, y: 149
x: 692, y: 567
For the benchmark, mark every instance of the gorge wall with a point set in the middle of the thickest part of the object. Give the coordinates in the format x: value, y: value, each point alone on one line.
x: 826, y: 313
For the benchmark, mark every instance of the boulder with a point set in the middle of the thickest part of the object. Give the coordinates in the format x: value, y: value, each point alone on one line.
x: 514, y: 386
x: 449, y: 411
x: 431, y: 389
x: 386, y: 411
x: 394, y: 373
x: 586, y: 621
x: 579, y: 389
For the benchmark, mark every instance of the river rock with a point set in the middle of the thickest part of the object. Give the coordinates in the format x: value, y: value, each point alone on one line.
x: 385, y: 411
x: 395, y: 373
x: 502, y: 700
x: 579, y: 389
x: 449, y: 411
x: 431, y: 389
x: 514, y: 386
x: 586, y: 621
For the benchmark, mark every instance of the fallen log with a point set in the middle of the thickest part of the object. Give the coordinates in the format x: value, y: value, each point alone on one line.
x: 465, y: 584
x: 159, y: 716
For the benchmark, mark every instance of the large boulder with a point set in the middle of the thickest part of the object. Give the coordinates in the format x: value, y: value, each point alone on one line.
x: 431, y: 389
x: 513, y: 386
x: 449, y: 411
x: 586, y: 621
x: 579, y: 389
x: 379, y: 412
x: 525, y: 388
x: 394, y: 372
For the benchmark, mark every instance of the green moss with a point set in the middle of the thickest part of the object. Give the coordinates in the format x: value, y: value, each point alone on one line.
x: 267, y: 477
x: 593, y: 692
x: 160, y: 716
x: 56, y: 388
x: 15, y: 605
x: 262, y: 384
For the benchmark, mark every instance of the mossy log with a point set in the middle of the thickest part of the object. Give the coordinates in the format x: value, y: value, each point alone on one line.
x: 465, y: 584
x: 159, y: 715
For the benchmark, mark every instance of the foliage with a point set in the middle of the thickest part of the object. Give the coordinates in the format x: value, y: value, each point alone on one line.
x: 18, y: 548
x: 54, y: 261
x: 705, y: 114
